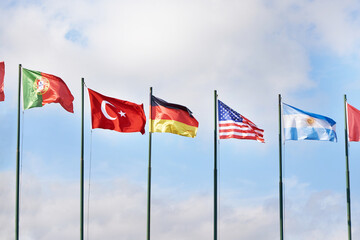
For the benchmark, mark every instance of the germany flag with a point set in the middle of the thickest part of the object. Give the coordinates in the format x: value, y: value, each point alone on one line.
x: 172, y: 118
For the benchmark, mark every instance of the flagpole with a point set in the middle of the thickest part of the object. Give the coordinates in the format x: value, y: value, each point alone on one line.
x: 281, y: 213
x: 149, y: 174
x: 347, y: 171
x: 82, y: 164
x: 18, y: 163
x: 215, y: 165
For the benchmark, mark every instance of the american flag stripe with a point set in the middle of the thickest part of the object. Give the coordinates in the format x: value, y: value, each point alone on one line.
x: 245, y: 122
x: 226, y: 131
x: 238, y: 133
x: 239, y: 126
x: 227, y: 123
x: 234, y: 125
x: 250, y: 136
x: 247, y: 133
x: 241, y: 137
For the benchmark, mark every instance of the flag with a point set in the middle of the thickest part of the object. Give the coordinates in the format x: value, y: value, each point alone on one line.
x: 172, y: 118
x: 115, y: 114
x: 353, y: 122
x: 233, y: 125
x: 301, y: 125
x: 2, y: 75
x: 42, y: 88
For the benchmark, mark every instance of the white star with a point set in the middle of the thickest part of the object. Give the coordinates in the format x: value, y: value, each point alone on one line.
x: 122, y: 114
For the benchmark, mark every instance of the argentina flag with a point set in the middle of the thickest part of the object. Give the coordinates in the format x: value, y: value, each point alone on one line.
x: 301, y: 125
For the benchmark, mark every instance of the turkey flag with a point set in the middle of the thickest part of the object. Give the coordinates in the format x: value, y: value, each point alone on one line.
x: 115, y: 114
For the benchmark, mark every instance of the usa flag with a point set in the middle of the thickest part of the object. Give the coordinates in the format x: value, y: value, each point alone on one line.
x: 234, y: 125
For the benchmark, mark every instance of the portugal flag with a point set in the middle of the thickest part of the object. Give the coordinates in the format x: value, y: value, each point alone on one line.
x: 42, y: 88
x: 172, y: 118
x: 115, y: 114
x: 353, y: 118
x: 2, y: 74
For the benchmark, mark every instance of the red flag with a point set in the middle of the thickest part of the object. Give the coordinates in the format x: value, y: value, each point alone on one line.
x: 353, y: 118
x: 115, y: 114
x: 2, y: 74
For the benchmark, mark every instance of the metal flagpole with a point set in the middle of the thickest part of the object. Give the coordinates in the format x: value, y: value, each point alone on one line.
x: 18, y: 163
x: 82, y: 164
x: 149, y: 173
x: 215, y: 165
x: 347, y: 172
x: 281, y: 213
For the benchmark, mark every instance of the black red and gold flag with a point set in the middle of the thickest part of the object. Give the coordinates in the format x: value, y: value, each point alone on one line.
x: 172, y: 118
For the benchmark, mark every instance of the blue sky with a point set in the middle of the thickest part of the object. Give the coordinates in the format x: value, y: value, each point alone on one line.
x: 249, y: 51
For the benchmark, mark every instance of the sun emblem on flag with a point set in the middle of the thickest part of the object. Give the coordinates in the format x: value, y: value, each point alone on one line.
x: 41, y: 85
x: 310, y: 120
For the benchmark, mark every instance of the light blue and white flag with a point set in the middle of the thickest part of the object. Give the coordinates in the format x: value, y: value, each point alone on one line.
x: 301, y: 125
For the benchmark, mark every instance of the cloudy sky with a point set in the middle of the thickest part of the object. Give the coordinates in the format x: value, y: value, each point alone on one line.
x: 249, y: 51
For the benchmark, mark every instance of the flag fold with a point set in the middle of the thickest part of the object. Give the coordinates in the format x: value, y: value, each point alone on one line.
x: 172, y: 118
x: 353, y: 121
x: 115, y: 114
x: 233, y: 125
x: 2, y: 76
x: 302, y: 125
x: 42, y: 88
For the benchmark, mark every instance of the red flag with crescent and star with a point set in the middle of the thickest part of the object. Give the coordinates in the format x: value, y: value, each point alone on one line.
x: 115, y: 114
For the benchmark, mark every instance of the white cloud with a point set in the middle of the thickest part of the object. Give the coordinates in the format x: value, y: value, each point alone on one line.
x: 328, y: 25
x: 248, y: 50
x: 50, y: 210
x: 170, y: 45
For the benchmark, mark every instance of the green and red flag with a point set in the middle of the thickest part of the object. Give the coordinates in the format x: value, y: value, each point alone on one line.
x: 42, y: 88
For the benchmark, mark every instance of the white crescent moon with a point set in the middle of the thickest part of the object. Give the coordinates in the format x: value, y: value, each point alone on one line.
x: 103, y: 110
